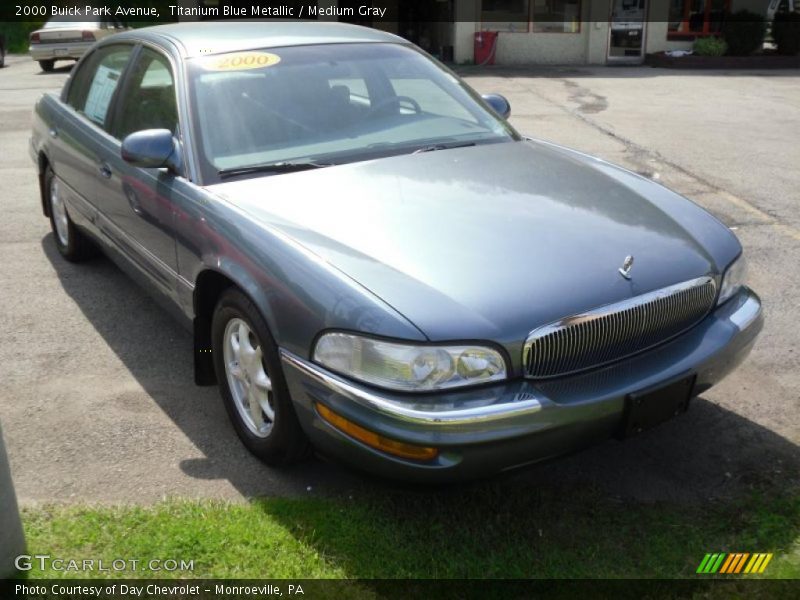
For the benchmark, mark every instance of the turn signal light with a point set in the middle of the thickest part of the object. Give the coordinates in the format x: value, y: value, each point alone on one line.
x: 87, y: 36
x: 35, y: 39
x: 374, y: 440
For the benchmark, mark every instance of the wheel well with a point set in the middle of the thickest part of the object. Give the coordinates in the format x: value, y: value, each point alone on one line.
x: 209, y: 286
x: 43, y: 164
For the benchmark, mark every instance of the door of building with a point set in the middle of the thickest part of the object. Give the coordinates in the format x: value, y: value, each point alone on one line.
x: 627, y: 30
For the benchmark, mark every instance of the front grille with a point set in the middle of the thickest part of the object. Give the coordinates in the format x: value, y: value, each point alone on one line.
x: 613, y: 332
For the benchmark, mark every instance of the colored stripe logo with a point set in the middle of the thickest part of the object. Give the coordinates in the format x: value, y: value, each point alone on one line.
x: 734, y: 563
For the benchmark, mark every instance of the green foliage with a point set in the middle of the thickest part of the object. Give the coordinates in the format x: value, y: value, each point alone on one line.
x: 710, y: 46
x: 17, y: 34
x: 786, y: 32
x: 744, y: 32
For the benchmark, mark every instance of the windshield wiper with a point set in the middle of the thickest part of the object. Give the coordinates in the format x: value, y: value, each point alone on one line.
x: 434, y: 147
x: 276, y: 167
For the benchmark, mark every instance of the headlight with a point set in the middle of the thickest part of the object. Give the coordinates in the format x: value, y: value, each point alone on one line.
x: 733, y: 280
x: 407, y: 367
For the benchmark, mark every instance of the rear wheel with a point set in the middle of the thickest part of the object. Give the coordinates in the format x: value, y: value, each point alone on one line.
x: 2, y: 57
x: 252, y: 384
x: 70, y: 241
x: 47, y: 65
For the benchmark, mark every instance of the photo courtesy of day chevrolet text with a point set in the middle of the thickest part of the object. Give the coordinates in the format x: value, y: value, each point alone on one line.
x: 184, y: 591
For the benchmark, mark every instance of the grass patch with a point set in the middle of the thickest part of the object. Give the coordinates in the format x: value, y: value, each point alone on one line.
x: 490, y: 531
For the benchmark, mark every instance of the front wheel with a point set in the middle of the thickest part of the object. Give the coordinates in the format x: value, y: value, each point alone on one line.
x: 47, y: 65
x: 252, y: 384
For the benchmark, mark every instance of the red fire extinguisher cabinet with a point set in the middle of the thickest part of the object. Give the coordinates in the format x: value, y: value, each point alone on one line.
x: 485, y: 47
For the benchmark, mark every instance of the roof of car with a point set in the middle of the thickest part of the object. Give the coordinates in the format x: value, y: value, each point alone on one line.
x: 198, y: 38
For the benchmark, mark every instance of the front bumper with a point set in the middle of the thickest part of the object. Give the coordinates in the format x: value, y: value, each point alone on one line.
x: 56, y: 51
x: 499, y: 427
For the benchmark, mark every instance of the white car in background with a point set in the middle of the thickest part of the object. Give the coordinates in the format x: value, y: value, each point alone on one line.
x: 65, y: 39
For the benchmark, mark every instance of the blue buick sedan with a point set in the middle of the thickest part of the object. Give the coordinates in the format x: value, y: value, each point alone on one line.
x: 373, y: 262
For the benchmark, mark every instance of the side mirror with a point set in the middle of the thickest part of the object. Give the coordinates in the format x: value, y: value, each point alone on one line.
x: 498, y: 103
x: 151, y: 149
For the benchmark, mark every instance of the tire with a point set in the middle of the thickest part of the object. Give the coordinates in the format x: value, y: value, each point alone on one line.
x: 276, y: 439
x: 2, y: 57
x: 70, y: 241
x: 47, y: 65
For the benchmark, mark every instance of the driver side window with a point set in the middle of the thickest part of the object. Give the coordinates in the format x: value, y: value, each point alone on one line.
x: 149, y: 98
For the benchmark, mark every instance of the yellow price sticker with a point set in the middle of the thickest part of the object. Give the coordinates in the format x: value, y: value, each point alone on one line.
x: 240, y: 61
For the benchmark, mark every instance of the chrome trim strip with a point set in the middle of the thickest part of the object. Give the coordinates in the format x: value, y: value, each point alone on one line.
x: 185, y: 283
x: 124, y: 242
x: 593, y: 326
x: 81, y: 204
x: 442, y: 418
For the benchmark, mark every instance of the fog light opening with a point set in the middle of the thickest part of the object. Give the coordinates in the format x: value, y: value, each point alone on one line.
x: 374, y: 440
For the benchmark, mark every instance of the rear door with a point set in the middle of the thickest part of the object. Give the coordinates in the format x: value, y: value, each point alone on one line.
x: 79, y: 139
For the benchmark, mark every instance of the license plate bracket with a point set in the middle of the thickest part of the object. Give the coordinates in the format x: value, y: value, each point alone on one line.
x: 647, y: 408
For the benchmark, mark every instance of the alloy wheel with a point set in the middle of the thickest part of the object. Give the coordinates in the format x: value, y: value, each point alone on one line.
x: 248, y: 380
x: 60, y: 218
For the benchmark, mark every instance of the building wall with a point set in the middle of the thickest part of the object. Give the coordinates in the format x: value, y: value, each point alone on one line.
x: 597, y: 44
x: 523, y: 47
x: 590, y: 46
x: 467, y: 13
x: 542, y: 48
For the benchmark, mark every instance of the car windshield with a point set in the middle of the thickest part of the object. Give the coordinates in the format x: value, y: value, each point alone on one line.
x: 330, y: 104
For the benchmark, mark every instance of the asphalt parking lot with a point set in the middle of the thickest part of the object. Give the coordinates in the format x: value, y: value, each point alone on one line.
x: 97, y: 400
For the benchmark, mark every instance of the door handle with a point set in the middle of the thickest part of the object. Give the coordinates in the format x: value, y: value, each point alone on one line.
x: 53, y: 133
x: 105, y: 170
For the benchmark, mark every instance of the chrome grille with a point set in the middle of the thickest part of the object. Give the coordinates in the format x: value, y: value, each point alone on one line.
x: 613, y: 332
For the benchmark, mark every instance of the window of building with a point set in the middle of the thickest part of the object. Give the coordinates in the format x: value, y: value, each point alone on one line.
x: 557, y: 16
x: 540, y: 16
x: 499, y: 11
x: 694, y: 18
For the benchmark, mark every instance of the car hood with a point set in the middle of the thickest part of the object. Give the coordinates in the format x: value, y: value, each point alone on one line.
x: 491, y: 241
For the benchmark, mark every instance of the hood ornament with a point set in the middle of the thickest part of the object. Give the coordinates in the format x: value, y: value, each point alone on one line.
x: 627, y: 265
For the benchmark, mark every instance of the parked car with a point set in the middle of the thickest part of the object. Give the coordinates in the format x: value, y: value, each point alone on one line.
x: 62, y: 38
x: 372, y: 259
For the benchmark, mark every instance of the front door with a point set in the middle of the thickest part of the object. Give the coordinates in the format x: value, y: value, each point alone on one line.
x: 138, y: 202
x: 627, y: 29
